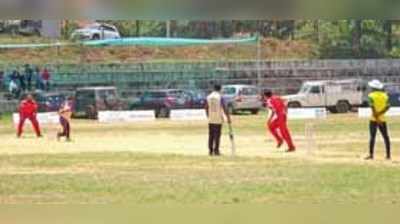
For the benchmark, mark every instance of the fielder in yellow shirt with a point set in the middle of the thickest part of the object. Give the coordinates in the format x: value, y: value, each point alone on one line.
x: 379, y: 103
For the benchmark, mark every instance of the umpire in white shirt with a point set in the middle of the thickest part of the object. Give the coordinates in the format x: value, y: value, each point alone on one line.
x: 215, y: 109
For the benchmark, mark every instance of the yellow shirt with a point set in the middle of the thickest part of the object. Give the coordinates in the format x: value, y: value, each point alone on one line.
x: 378, y: 100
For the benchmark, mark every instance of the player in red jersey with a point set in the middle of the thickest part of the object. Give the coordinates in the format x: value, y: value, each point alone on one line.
x: 28, y: 110
x: 277, y: 122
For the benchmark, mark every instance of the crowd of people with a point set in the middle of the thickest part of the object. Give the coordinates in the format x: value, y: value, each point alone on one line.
x: 28, y: 79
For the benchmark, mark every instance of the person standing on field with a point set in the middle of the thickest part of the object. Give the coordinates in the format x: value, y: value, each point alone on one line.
x: 28, y: 110
x: 215, y: 109
x: 277, y: 122
x: 379, y: 103
x: 65, y: 113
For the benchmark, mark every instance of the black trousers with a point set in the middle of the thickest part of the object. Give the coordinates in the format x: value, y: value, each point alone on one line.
x: 373, y: 126
x: 214, y: 138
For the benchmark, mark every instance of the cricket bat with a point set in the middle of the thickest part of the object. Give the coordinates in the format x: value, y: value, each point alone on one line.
x: 232, y: 138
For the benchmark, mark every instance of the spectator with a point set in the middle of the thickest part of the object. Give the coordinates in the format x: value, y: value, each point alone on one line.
x: 38, y: 79
x: 1, y: 79
x: 46, y: 79
x: 13, y: 89
x: 21, y: 80
x: 28, y: 76
x: 13, y: 76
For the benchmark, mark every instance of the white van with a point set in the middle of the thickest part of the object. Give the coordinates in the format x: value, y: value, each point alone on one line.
x: 336, y: 96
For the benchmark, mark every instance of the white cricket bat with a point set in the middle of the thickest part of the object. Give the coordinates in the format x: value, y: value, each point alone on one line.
x: 232, y: 138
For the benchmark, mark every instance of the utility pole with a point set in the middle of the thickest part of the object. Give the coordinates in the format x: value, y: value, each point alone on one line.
x: 168, y: 28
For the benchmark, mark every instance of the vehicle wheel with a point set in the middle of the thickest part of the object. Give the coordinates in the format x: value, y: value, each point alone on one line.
x: 91, y: 112
x: 231, y: 109
x: 164, y: 112
x: 254, y: 111
x: 294, y: 105
x: 343, y: 107
x: 96, y: 37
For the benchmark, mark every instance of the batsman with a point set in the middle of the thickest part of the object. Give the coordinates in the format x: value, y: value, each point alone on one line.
x: 65, y: 113
x: 277, y: 121
x: 215, y: 110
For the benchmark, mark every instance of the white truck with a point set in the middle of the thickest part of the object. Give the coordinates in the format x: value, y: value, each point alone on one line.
x: 336, y: 96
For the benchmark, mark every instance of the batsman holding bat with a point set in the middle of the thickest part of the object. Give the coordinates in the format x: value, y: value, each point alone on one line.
x: 65, y: 113
x: 215, y: 109
x: 379, y: 103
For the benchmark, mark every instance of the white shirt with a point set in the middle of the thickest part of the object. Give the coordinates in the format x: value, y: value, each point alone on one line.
x: 215, y: 108
x: 13, y: 86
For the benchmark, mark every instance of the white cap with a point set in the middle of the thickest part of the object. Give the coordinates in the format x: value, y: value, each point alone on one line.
x: 376, y: 84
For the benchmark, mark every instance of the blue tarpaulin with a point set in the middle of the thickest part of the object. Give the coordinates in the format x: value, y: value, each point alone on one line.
x: 141, y: 41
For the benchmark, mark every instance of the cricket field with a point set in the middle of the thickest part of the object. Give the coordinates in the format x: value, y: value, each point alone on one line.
x: 166, y: 162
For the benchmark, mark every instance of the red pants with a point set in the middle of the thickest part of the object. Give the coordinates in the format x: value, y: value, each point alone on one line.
x: 278, y: 128
x: 34, y: 122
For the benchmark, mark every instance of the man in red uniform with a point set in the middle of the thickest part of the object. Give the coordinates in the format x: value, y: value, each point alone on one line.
x: 28, y: 110
x: 277, y: 122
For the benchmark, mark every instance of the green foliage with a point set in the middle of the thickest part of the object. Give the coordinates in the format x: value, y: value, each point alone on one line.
x: 68, y: 28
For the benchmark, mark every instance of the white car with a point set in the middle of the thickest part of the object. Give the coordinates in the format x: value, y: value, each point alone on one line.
x: 242, y: 98
x: 96, y: 31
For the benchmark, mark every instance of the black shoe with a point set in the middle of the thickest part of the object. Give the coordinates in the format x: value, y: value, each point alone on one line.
x: 278, y: 146
x: 388, y: 158
x: 369, y: 158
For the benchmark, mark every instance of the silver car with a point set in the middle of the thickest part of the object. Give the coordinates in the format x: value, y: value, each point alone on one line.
x: 242, y: 98
x: 96, y: 31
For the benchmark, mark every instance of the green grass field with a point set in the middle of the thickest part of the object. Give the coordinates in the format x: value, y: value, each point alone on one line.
x: 166, y: 162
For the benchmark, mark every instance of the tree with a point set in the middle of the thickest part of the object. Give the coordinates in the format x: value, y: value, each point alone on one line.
x: 356, y: 40
x: 387, y: 27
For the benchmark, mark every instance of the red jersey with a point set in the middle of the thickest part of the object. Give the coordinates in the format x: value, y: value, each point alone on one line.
x: 276, y: 104
x: 46, y: 75
x: 28, y: 107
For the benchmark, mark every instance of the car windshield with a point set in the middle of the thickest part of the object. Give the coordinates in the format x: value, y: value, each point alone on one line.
x: 55, y: 98
x: 229, y: 91
x: 305, y: 89
x: 157, y: 94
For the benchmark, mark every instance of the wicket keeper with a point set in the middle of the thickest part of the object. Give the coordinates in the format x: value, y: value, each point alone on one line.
x: 379, y: 103
x: 277, y: 121
x: 215, y: 109
x: 28, y: 110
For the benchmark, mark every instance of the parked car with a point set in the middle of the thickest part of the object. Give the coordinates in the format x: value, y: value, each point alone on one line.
x: 49, y: 102
x: 336, y: 96
x: 394, y: 94
x: 242, y: 98
x: 89, y: 101
x: 163, y: 101
x: 197, y: 98
x: 96, y: 31
x: 131, y: 97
